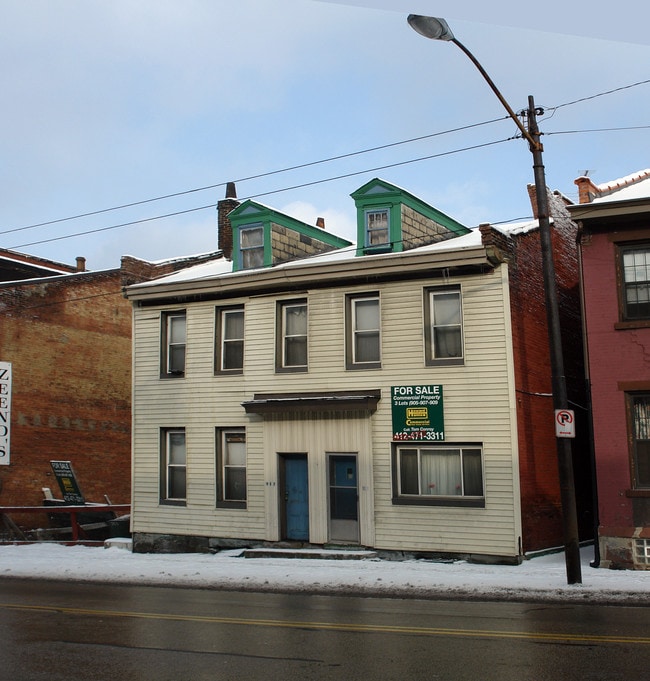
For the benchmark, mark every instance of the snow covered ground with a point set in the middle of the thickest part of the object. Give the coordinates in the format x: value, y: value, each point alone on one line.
x: 541, y: 578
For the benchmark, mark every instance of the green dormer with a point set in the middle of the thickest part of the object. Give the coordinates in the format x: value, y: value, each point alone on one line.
x: 390, y: 220
x: 263, y: 237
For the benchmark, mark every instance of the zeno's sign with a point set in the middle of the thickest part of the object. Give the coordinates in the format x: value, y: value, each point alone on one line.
x: 5, y: 411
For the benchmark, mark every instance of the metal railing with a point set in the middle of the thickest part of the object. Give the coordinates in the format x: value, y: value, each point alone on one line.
x: 77, y: 530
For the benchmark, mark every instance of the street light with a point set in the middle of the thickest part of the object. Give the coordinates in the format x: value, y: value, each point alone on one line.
x: 438, y: 29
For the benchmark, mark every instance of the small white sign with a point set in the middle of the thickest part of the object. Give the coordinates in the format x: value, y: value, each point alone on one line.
x: 5, y: 411
x: 565, y: 423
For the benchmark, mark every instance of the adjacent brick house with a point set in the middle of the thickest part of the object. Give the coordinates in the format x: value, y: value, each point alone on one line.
x: 614, y: 245
x: 393, y: 393
x: 66, y: 333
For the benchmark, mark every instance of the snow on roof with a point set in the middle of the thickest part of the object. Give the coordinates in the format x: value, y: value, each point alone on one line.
x: 634, y: 186
x: 223, y: 268
x: 64, y: 269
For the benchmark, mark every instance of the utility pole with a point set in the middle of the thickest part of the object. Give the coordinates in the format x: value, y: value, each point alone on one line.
x: 560, y: 397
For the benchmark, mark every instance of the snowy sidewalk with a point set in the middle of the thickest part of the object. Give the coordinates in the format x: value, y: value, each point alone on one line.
x: 538, y: 579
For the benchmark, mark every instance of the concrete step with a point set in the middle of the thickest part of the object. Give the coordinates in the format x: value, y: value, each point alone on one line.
x: 320, y: 554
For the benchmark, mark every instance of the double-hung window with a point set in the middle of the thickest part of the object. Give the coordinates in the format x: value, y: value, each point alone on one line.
x: 377, y: 229
x: 445, y: 474
x: 291, y: 334
x: 635, y: 281
x: 363, y: 335
x: 251, y: 246
x: 640, y: 424
x: 173, y: 343
x: 231, y: 467
x: 230, y: 340
x: 443, y: 326
x: 173, y: 469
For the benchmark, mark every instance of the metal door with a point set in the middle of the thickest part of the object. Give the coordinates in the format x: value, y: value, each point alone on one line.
x: 343, y: 498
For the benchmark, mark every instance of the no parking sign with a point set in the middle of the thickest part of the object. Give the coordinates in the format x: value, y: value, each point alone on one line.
x: 565, y: 423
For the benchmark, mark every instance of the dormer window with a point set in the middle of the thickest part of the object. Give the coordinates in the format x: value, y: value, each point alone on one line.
x: 390, y: 220
x: 251, y: 246
x: 263, y: 237
x: 377, y: 228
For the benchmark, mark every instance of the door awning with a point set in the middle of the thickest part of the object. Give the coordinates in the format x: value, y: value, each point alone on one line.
x: 348, y: 400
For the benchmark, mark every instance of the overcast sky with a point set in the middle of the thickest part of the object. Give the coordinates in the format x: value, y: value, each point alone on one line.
x: 114, y: 102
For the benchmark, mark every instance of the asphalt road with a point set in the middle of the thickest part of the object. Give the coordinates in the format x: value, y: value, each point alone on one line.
x: 70, y: 631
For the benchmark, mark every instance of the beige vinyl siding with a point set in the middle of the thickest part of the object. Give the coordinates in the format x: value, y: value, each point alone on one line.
x: 479, y: 406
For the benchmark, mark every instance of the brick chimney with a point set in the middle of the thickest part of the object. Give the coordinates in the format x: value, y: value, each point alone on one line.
x: 320, y: 222
x: 224, y: 228
x: 81, y: 264
x: 587, y: 190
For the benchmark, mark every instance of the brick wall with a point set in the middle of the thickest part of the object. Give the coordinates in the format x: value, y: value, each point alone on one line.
x: 539, y: 477
x: 69, y: 342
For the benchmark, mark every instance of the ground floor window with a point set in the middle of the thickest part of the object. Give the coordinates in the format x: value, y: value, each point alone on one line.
x: 173, y: 468
x: 446, y: 474
x: 231, y: 467
x: 640, y: 408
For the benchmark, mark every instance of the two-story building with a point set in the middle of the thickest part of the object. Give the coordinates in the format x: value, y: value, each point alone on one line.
x: 393, y: 393
x: 614, y: 241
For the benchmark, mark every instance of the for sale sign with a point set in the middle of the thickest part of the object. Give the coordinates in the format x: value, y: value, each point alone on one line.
x: 67, y: 482
x: 5, y: 412
x: 417, y: 412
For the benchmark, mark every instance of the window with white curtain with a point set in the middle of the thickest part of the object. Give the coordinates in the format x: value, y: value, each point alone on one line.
x: 424, y: 472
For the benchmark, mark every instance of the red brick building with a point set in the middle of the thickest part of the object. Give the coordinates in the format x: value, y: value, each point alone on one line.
x: 538, y: 463
x: 614, y: 221
x: 67, y: 334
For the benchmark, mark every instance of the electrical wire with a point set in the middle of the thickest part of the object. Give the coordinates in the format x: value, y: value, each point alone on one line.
x: 552, y: 109
x: 258, y: 176
x: 275, y: 191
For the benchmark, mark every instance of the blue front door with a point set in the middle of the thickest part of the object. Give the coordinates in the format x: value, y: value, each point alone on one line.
x: 296, y: 498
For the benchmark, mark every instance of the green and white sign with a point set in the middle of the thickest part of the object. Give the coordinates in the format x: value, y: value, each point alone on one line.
x: 417, y: 412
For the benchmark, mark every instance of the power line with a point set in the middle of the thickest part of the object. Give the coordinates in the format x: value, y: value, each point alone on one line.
x: 275, y: 191
x: 575, y: 132
x: 601, y: 94
x: 311, y: 164
x: 256, y: 177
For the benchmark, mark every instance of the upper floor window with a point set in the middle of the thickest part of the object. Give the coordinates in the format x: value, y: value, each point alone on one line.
x: 173, y: 469
x: 231, y: 467
x: 363, y: 349
x: 173, y: 343
x: 230, y: 340
x: 445, y: 473
x: 291, y: 352
x: 640, y: 408
x: 377, y: 228
x: 443, y: 326
x: 251, y: 246
x: 635, y: 284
